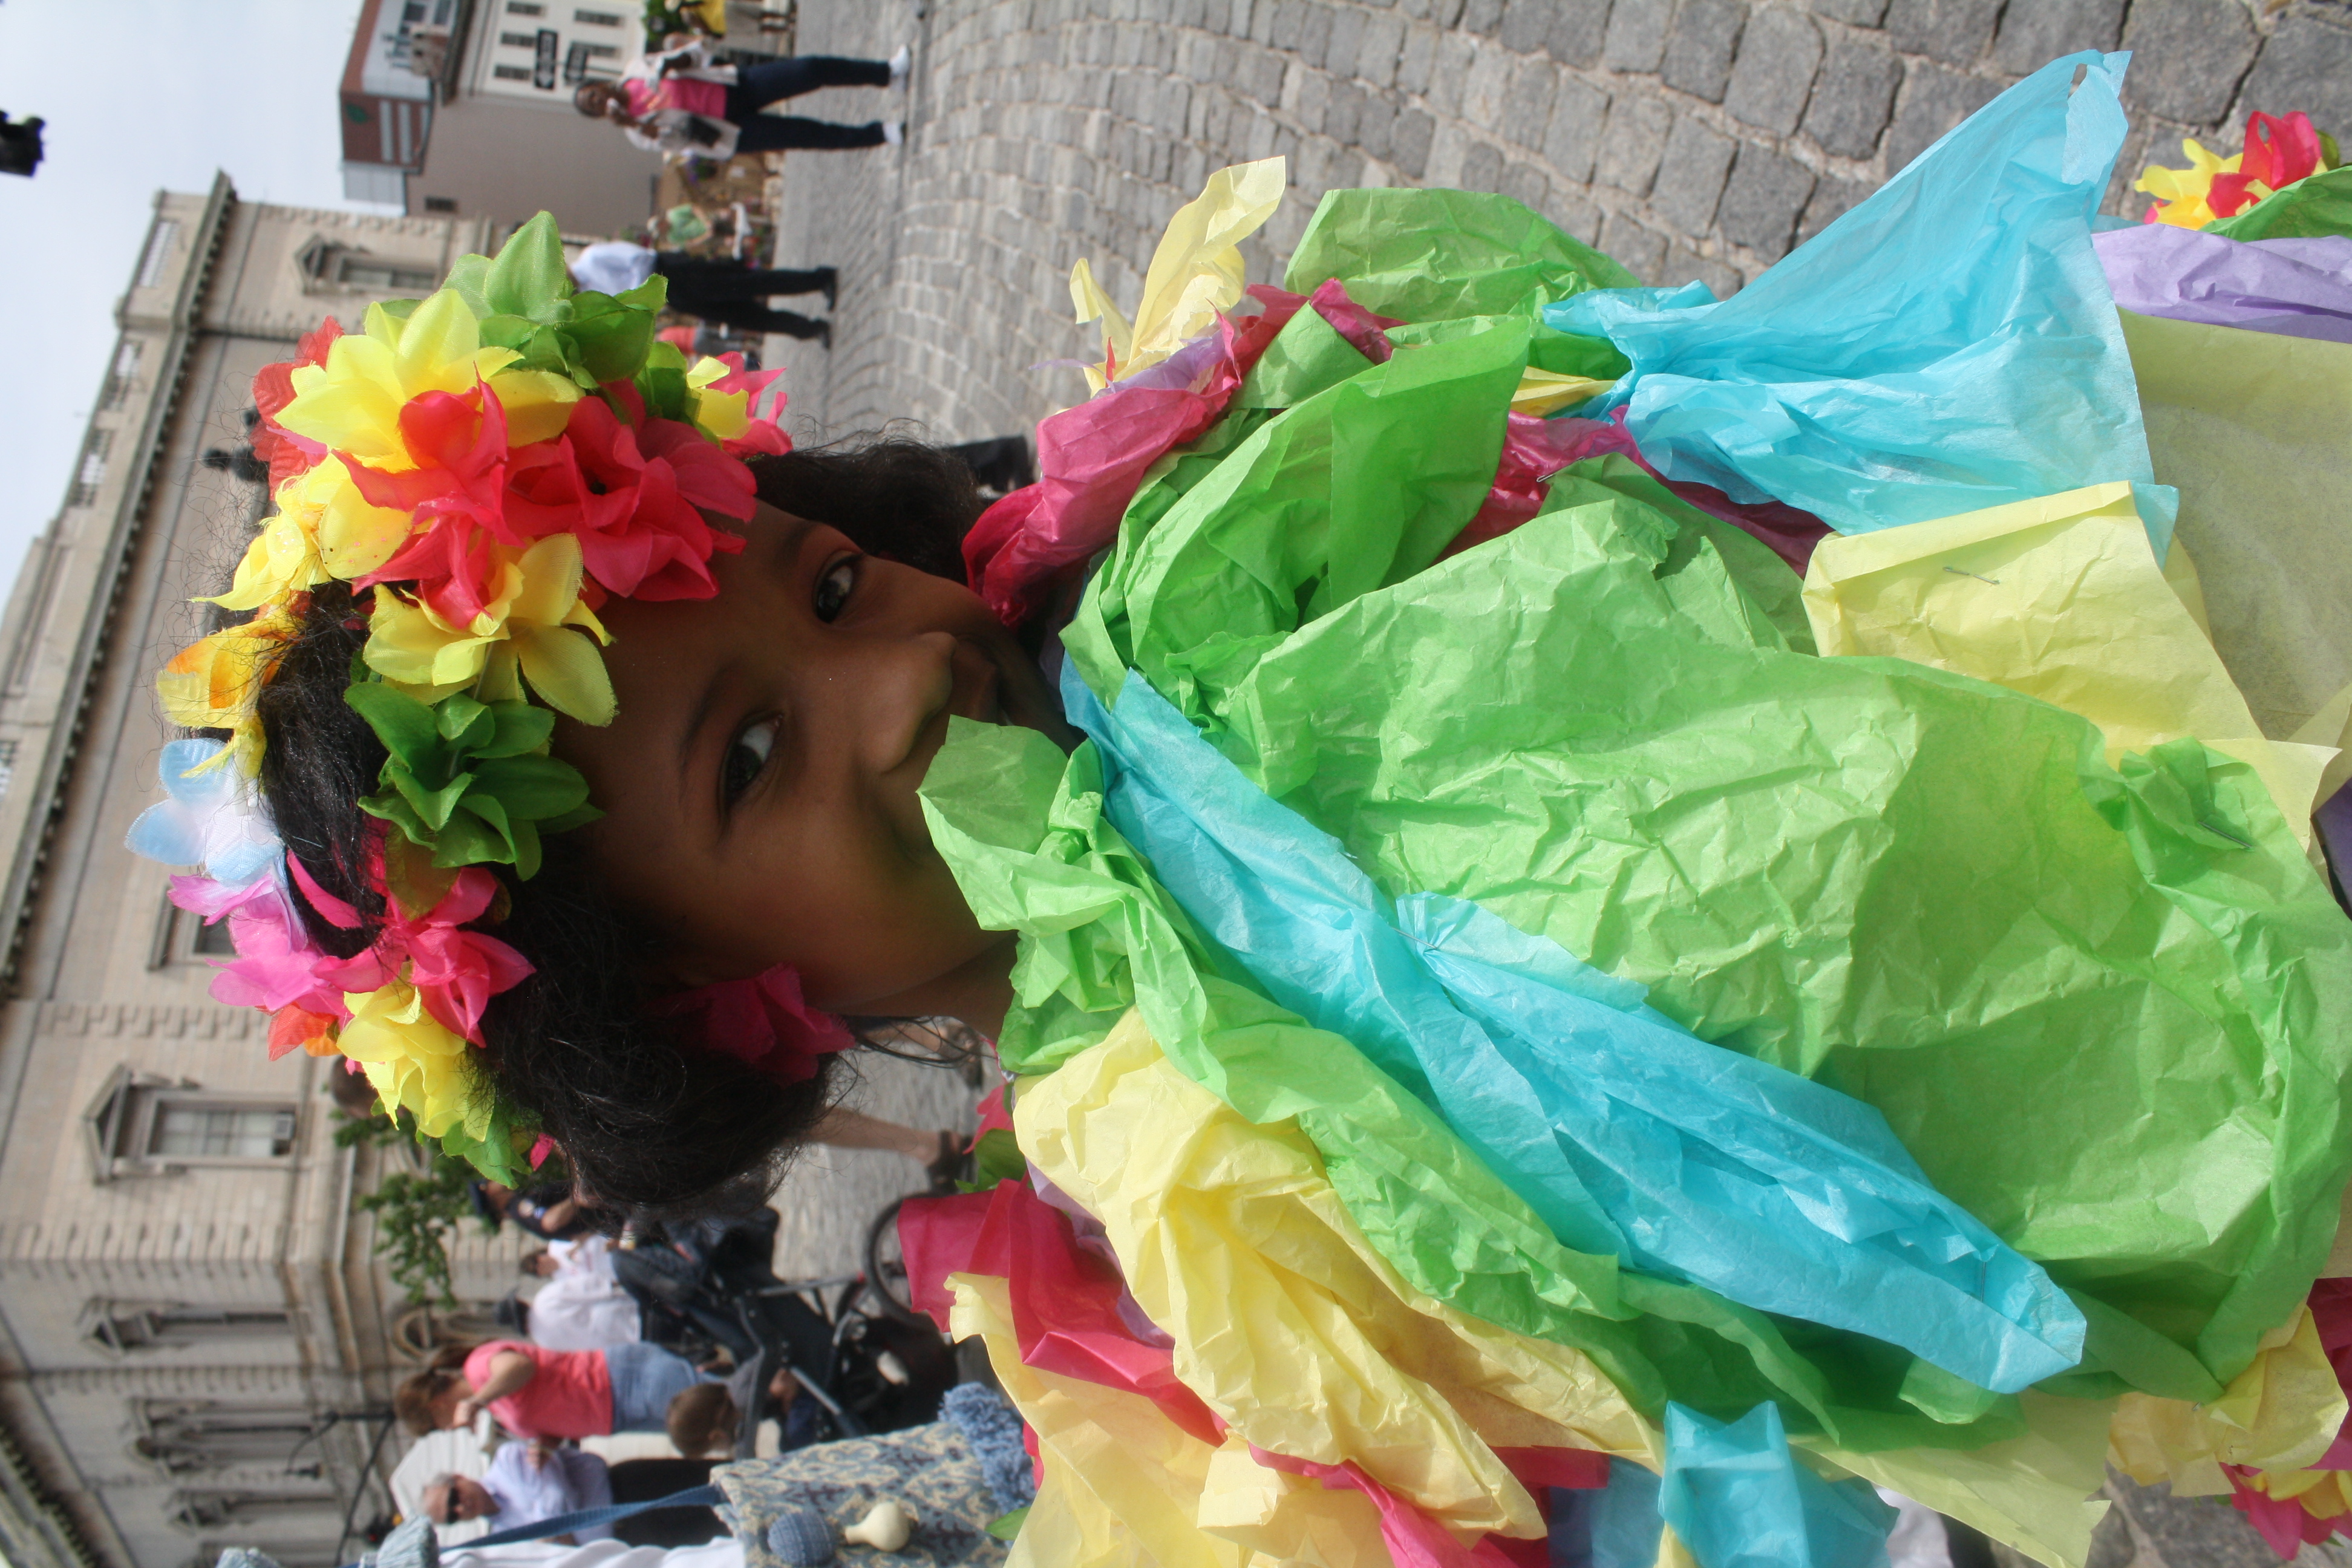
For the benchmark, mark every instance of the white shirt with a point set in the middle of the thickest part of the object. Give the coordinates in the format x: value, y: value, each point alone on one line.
x: 567, y: 1481
x: 612, y: 266
x: 581, y: 1306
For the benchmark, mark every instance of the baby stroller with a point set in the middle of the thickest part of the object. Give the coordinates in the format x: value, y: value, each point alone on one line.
x: 708, y: 1286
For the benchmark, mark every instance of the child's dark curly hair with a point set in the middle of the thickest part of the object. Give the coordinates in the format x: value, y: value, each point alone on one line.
x: 650, y: 1122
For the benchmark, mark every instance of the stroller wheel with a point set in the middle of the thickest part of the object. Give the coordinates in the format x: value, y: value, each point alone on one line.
x: 885, y: 1267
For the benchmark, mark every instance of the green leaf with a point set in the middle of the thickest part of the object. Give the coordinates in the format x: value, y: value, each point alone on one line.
x: 405, y: 725
x: 612, y: 345
x: 508, y: 331
x: 470, y: 278
x: 529, y: 276
x: 532, y: 786
x: 433, y: 804
x: 392, y: 809
x: 520, y: 728
x: 1006, y: 1526
x: 526, y: 850
x: 400, y: 309
x: 470, y: 839
x: 464, y: 722
x: 653, y: 294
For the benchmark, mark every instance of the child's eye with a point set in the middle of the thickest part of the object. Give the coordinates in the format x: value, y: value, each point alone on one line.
x: 745, y: 758
x: 834, y: 585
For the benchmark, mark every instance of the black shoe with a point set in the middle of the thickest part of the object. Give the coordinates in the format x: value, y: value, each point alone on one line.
x: 824, y: 334
x: 832, y: 283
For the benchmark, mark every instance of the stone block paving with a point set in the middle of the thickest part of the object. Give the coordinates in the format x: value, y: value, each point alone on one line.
x: 1691, y: 139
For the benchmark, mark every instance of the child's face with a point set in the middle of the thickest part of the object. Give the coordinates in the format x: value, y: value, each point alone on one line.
x: 759, y: 783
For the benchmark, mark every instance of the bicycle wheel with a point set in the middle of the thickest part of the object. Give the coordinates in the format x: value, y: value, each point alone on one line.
x: 885, y: 1267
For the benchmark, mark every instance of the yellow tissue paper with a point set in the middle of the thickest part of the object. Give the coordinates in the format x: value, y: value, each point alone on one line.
x: 1195, y: 272
x: 2033, y: 1492
x: 2279, y: 1415
x: 1297, y: 1334
x: 2060, y: 598
x: 2254, y: 428
x: 1542, y: 391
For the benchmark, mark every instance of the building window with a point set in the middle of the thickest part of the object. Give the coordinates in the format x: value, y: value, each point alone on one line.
x: 338, y: 268
x: 92, y: 471
x: 525, y: 9
x: 189, y: 1436
x: 160, y: 240
x: 519, y: 40
x: 579, y: 63
x: 146, y: 1126
x: 511, y: 73
x: 121, y: 379
x: 126, y: 1327
x: 440, y: 204
x: 182, y: 937
x: 597, y: 18
x: 7, y: 764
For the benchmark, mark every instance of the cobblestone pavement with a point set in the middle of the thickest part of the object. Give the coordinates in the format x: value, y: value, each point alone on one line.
x: 831, y: 1196
x: 1688, y: 138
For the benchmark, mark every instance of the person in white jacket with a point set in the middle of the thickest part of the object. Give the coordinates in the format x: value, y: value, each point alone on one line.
x: 581, y: 1306
x: 683, y: 105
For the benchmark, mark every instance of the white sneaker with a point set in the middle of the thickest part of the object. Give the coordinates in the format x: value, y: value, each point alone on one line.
x: 899, y: 63
x: 892, y: 133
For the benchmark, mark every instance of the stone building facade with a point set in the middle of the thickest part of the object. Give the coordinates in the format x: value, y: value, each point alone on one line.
x: 195, y: 1344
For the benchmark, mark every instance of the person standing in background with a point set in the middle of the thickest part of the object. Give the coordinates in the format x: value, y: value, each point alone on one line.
x: 681, y: 104
x: 724, y: 292
x: 581, y: 1306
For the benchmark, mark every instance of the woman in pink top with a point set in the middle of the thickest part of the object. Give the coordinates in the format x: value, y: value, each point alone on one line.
x: 679, y: 103
x: 539, y: 1392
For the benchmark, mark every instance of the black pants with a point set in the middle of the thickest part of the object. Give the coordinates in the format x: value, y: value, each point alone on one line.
x: 701, y: 277
x: 758, y: 85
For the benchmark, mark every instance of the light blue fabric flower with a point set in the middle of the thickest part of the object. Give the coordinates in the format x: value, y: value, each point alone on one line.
x: 1949, y: 344
x: 212, y: 819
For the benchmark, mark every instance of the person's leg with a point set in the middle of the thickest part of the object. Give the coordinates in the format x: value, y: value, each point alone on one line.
x: 785, y: 132
x: 767, y: 280
x: 845, y: 1128
x: 691, y: 278
x: 750, y: 316
x: 645, y: 1378
x: 770, y: 82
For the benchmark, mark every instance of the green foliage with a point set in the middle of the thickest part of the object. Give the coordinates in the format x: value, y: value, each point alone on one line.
x: 414, y: 1214
x: 1006, y: 1526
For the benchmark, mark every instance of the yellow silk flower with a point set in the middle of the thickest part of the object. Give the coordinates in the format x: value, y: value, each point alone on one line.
x: 1292, y: 1327
x: 1195, y: 272
x: 352, y: 401
x: 324, y: 529
x: 525, y: 634
x: 410, y: 1059
x: 721, y: 416
x: 2181, y: 193
x: 215, y: 684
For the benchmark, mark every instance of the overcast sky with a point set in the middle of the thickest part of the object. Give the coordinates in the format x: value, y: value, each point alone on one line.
x: 139, y: 95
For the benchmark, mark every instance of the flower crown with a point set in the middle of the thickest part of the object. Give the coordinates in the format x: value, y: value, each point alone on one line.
x: 493, y: 462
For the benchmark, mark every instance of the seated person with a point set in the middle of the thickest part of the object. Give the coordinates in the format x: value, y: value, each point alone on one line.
x: 548, y: 1211
x: 539, y: 1392
x: 707, y: 1420
x: 527, y: 1482
x: 581, y: 1306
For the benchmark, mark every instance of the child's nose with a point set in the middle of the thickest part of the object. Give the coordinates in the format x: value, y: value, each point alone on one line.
x: 889, y: 693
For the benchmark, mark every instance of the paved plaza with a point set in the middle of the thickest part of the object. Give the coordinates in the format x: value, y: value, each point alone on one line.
x: 1688, y: 138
